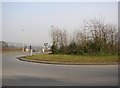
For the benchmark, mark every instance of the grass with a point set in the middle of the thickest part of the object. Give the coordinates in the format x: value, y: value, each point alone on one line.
x: 74, y: 58
x: 10, y: 49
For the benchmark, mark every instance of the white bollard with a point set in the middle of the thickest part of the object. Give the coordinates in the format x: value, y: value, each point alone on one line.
x: 31, y: 52
x: 43, y: 50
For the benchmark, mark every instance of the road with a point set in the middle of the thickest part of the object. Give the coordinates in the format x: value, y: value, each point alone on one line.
x: 0, y: 68
x: 20, y: 73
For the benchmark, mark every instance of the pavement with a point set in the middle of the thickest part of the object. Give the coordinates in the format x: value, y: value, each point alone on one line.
x: 20, y: 73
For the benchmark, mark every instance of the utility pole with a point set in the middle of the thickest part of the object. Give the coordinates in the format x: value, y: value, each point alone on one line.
x: 23, y: 40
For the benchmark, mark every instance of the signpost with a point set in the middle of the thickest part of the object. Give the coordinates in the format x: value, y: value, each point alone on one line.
x: 46, y: 46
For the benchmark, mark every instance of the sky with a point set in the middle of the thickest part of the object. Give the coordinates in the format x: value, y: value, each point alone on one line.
x: 30, y: 22
x: 0, y: 21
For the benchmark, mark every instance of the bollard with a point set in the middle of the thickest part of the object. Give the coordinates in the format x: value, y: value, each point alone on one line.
x: 31, y: 52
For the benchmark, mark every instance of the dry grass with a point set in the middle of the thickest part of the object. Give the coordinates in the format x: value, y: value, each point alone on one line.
x: 10, y: 49
x: 74, y: 58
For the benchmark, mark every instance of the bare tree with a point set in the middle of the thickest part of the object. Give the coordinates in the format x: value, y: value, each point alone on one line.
x: 95, y: 36
x: 59, y: 37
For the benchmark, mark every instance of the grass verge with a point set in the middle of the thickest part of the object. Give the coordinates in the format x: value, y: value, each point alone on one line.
x: 106, y: 59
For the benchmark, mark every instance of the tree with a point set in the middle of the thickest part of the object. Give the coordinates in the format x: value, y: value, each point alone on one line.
x: 59, y: 39
x: 95, y: 36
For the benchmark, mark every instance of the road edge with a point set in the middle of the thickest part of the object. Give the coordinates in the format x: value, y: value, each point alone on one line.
x: 64, y: 63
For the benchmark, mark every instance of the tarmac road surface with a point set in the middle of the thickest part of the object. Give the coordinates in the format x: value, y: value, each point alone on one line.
x: 20, y: 73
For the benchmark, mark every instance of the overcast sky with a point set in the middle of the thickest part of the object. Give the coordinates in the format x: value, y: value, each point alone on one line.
x: 36, y: 18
